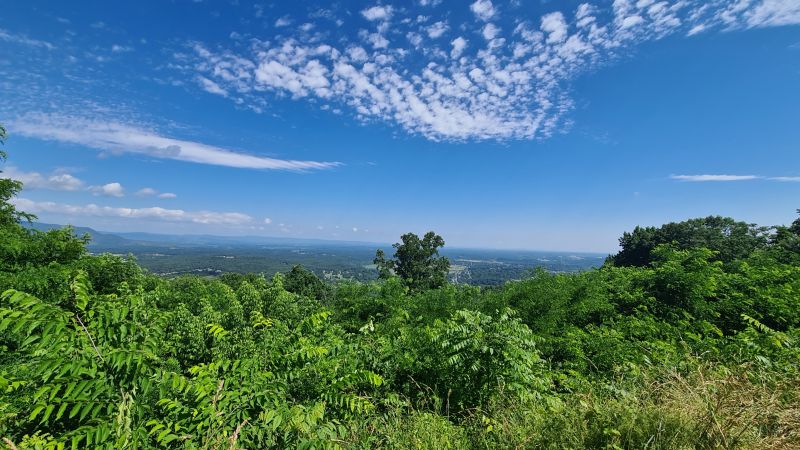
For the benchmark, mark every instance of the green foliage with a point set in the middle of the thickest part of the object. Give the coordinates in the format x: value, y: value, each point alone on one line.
x: 690, y: 341
x: 303, y: 282
x: 416, y: 261
x: 472, y: 355
x: 730, y: 239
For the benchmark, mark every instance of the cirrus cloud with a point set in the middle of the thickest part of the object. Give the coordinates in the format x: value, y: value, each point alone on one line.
x: 708, y: 177
x: 722, y: 177
x: 119, y: 138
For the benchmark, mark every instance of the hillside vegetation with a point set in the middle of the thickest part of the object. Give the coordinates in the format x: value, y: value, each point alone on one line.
x: 685, y: 339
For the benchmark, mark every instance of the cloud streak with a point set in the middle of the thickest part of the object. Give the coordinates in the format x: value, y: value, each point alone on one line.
x: 704, y: 178
x: 24, y: 40
x: 151, y: 213
x: 708, y: 177
x: 119, y: 138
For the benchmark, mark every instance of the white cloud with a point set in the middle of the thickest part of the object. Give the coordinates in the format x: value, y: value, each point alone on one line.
x: 490, y: 31
x: 56, y: 181
x: 555, y: 26
x: 109, y: 189
x: 284, y: 21
x: 24, y: 40
x: 151, y: 213
x: 211, y: 87
x: 415, y: 39
x: 119, y: 138
x: 377, y: 13
x: 150, y: 192
x: 355, y: 230
x: 483, y: 9
x: 121, y: 48
x: 785, y: 179
x: 267, y: 221
x: 514, y: 86
x: 770, y: 13
x: 700, y: 178
x: 377, y: 40
x: 696, y: 29
x: 63, y: 181
x: 752, y: 13
x: 459, y: 44
x: 146, y: 192
x: 437, y: 29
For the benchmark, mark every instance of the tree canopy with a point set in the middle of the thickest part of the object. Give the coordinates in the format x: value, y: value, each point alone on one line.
x: 730, y: 239
x: 416, y: 261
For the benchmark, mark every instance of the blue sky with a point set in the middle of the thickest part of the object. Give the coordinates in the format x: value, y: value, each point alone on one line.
x: 525, y: 124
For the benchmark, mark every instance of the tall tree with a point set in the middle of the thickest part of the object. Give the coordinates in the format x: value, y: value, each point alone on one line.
x: 416, y: 261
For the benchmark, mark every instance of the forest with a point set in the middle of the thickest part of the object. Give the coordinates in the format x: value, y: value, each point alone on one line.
x: 686, y: 338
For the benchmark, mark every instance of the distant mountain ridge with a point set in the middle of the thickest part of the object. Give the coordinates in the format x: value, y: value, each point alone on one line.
x: 117, y: 240
x: 99, y: 239
x: 122, y: 242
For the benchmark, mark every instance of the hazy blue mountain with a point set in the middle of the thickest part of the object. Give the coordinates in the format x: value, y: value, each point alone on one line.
x: 211, y: 240
x: 99, y: 239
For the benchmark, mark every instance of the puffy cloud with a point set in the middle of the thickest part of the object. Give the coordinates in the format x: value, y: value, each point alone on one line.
x: 377, y: 13
x: 284, y: 21
x: 515, y: 86
x: 118, y: 138
x: 490, y: 31
x: 555, y: 26
x: 63, y: 181
x: 267, y: 221
x: 57, y: 181
x: 483, y: 9
x: 109, y: 189
x: 146, y: 192
x: 150, y: 192
x: 151, y: 213
x: 437, y: 29
x: 459, y: 44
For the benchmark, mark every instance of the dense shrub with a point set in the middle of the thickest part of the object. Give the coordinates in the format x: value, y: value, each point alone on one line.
x: 696, y: 348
